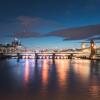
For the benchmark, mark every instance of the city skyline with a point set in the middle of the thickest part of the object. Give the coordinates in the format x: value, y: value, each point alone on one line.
x: 48, y: 23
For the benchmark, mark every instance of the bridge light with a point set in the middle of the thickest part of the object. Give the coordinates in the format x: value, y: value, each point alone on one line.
x: 23, y: 57
x: 26, y: 57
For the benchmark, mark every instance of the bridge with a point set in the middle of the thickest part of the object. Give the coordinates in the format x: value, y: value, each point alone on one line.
x: 46, y: 55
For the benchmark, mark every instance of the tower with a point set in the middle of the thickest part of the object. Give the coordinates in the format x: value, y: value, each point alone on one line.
x: 16, y: 42
x: 92, y: 47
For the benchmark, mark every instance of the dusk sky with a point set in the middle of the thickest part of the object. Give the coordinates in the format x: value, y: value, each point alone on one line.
x: 47, y: 23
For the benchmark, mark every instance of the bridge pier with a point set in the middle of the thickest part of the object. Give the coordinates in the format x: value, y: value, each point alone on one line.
x: 53, y: 56
x: 18, y: 57
x: 36, y: 56
x: 70, y: 56
x: 1, y: 55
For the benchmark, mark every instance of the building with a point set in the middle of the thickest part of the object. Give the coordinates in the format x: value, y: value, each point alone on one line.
x: 83, y: 45
x: 14, y: 47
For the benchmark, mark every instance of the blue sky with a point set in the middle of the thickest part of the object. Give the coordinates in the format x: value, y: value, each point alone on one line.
x: 32, y: 20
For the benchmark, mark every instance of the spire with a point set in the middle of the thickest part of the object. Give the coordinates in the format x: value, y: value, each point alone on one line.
x: 15, y: 39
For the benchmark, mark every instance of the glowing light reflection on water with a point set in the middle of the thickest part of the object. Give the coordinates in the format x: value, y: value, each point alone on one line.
x: 50, y: 79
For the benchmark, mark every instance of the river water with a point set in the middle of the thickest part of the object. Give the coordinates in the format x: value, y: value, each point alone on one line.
x: 30, y: 79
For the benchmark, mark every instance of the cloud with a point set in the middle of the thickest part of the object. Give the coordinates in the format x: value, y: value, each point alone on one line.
x: 25, y: 35
x: 26, y: 26
x: 96, y: 37
x: 79, y: 33
x: 37, y: 23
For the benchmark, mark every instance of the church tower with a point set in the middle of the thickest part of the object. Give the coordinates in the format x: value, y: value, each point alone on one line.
x: 92, y: 47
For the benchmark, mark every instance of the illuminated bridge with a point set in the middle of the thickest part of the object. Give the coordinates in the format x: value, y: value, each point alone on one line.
x: 46, y: 55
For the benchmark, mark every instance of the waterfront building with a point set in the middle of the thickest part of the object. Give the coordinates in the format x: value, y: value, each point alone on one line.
x: 13, y: 47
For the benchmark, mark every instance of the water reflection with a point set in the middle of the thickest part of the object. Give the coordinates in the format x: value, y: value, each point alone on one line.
x: 94, y: 83
x: 45, y: 73
x: 95, y: 67
x: 62, y: 67
x: 27, y: 69
x: 52, y: 78
x: 82, y: 69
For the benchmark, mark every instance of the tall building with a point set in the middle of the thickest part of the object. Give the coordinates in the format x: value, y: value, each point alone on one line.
x: 93, y: 49
x: 16, y: 42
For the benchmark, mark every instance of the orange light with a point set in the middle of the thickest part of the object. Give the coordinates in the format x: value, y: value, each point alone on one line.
x: 26, y: 75
x: 62, y: 67
x: 45, y: 73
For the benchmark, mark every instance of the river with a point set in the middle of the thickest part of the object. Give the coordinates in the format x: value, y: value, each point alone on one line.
x: 29, y: 79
